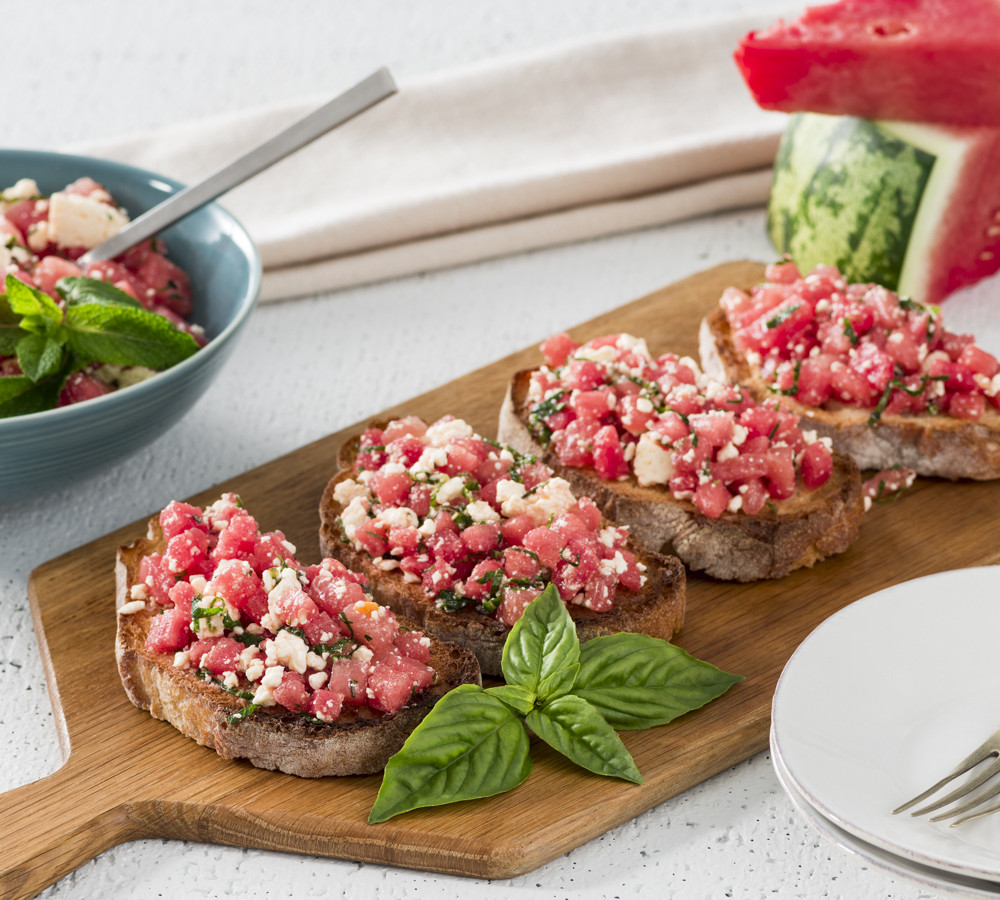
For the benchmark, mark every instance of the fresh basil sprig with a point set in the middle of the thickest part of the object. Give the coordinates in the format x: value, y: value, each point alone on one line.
x: 101, y: 324
x: 474, y: 742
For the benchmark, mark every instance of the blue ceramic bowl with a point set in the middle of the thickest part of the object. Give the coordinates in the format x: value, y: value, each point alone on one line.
x: 48, y: 450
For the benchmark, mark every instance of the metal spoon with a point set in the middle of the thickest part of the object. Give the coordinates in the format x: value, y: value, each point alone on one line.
x: 364, y: 95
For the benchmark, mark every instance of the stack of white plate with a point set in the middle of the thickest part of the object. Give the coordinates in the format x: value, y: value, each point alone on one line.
x: 876, y: 705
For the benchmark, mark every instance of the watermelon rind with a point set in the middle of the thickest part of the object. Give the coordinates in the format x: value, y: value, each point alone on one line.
x: 847, y: 193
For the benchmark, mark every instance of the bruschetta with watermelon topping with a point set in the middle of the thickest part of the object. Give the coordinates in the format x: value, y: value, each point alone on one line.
x: 223, y: 633
x: 873, y: 371
x: 734, y: 487
x: 460, y: 534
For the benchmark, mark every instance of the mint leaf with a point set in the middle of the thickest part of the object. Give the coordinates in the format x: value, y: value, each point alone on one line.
x: 572, y: 726
x: 517, y: 698
x: 10, y: 328
x: 541, y: 643
x: 125, y: 336
x: 636, y: 681
x: 92, y: 290
x: 40, y: 355
x: 39, y: 313
x: 19, y: 395
x: 469, y: 745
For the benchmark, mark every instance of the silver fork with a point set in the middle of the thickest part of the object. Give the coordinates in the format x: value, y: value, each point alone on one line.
x: 972, y: 808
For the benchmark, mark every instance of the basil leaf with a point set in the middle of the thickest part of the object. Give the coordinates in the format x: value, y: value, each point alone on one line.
x: 92, y: 290
x: 39, y: 355
x: 542, y: 642
x: 125, y: 336
x: 636, y: 681
x: 469, y: 745
x: 517, y: 698
x: 10, y: 327
x: 20, y: 396
x: 559, y: 682
x: 572, y: 726
x: 39, y: 312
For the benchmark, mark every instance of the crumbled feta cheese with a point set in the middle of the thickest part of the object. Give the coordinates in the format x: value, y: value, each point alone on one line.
x: 400, y: 516
x: 317, y: 680
x: 182, y: 659
x: 616, y: 565
x: 347, y: 490
x: 509, y: 490
x: 605, y: 354
x: 451, y: 490
x: 288, y: 650
x: 230, y: 679
x: 653, y: 463
x: 550, y: 498
x: 38, y: 236
x: 271, y: 622
x: 255, y: 670
x: 362, y: 653
x: 430, y: 460
x: 199, y: 583
x: 481, y: 511
x: 79, y: 221
x: 355, y: 515
x: 729, y: 451
x: 133, y: 606
x: 22, y: 189
x: 139, y: 592
x: 264, y: 695
x: 440, y: 434
x: 287, y: 583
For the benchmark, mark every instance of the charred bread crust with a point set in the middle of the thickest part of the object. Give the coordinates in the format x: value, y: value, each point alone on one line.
x: 360, y: 742
x: 657, y: 609
x: 938, y: 446
x: 799, y: 531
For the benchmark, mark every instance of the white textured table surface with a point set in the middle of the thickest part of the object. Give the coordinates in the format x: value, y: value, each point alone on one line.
x: 77, y: 71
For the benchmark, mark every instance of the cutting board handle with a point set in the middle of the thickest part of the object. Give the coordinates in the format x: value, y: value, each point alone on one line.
x: 53, y: 825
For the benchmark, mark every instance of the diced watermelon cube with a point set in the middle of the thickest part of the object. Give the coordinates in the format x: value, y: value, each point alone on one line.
x: 394, y: 680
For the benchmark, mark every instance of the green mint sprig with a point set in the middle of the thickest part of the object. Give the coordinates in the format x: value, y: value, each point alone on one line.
x: 100, y: 324
x: 474, y: 742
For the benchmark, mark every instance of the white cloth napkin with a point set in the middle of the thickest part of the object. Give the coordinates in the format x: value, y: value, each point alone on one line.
x: 568, y: 142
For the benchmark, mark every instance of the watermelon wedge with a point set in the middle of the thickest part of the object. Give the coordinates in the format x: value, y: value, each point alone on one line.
x: 913, y: 207
x: 912, y: 60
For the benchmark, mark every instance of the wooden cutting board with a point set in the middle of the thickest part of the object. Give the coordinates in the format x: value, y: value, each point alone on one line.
x: 127, y: 776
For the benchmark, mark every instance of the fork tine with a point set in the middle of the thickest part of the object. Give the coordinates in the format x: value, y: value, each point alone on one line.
x: 961, y: 791
x: 987, y: 748
x: 972, y: 802
x: 985, y: 811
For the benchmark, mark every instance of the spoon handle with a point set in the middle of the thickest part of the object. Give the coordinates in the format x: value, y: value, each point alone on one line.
x: 355, y: 100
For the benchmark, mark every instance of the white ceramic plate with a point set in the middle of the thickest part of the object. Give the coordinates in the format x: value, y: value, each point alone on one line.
x: 885, y: 697
x: 890, y: 862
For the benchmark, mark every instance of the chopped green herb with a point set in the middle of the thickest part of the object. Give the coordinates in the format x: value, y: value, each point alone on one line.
x: 783, y: 315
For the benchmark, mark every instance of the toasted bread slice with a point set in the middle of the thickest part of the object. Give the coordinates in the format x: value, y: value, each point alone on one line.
x: 935, y: 445
x: 657, y: 609
x: 799, y: 531
x: 359, y: 742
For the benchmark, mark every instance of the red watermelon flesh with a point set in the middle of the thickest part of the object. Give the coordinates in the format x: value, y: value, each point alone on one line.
x: 910, y: 60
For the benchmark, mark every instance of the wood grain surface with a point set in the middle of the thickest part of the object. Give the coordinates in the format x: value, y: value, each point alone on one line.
x: 128, y: 776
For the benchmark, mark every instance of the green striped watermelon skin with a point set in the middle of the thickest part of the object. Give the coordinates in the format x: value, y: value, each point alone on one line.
x: 913, y: 207
x: 903, y: 60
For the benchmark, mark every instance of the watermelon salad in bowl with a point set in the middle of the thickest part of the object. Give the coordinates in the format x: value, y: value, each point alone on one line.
x: 74, y: 397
